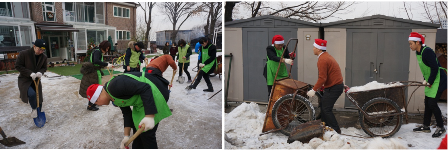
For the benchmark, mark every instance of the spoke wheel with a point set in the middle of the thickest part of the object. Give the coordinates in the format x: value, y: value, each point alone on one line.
x: 381, y: 126
x: 291, y: 113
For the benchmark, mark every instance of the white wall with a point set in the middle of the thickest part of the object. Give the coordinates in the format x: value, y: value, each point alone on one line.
x: 234, y: 44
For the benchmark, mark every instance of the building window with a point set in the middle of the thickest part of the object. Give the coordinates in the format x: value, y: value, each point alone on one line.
x: 20, y: 9
x: 9, y: 36
x: 123, y: 35
x: 48, y: 11
x: 92, y: 12
x: 96, y: 36
x: 121, y: 12
x: 5, y: 9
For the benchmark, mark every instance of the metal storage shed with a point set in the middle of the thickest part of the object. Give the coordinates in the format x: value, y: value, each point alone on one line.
x: 376, y: 48
x: 247, y: 40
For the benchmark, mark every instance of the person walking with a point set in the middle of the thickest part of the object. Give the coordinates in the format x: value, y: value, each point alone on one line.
x: 435, y: 77
x: 92, y: 71
x: 166, y: 48
x: 207, y: 65
x: 183, y: 57
x: 147, y: 93
x: 173, y: 50
x: 134, y: 57
x: 274, y: 53
x: 31, y: 64
x: 329, y: 75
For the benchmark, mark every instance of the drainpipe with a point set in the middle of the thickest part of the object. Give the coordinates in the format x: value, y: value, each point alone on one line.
x: 321, y: 32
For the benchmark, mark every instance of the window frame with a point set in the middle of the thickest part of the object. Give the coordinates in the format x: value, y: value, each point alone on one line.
x: 44, y: 5
x: 124, y: 34
x: 124, y: 10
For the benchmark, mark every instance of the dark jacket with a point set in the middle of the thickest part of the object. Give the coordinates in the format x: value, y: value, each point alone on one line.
x: 272, y: 55
x: 124, y: 87
x: 127, y: 58
x: 173, y: 50
x: 211, y: 53
x: 97, y: 54
x: 429, y: 58
x: 26, y: 64
x: 89, y: 77
x: 166, y: 49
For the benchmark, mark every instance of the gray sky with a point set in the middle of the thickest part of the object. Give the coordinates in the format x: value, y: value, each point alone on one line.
x: 160, y: 21
x: 361, y: 9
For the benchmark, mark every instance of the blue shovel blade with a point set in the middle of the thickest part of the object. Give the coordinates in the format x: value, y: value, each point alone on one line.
x: 40, y: 119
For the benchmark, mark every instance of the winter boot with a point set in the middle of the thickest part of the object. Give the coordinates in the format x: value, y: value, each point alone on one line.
x: 190, y: 87
x: 422, y: 128
x: 33, y: 113
x: 92, y: 108
x: 439, y: 132
x: 189, y: 81
x: 210, y: 88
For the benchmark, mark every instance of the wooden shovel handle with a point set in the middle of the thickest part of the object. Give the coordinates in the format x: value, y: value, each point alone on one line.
x: 139, y: 131
x: 37, y: 90
x: 172, y: 78
x: 2, y: 133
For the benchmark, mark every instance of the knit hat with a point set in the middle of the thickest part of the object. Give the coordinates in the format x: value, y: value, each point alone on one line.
x: 277, y: 39
x: 93, y: 92
x: 414, y: 36
x: 320, y: 44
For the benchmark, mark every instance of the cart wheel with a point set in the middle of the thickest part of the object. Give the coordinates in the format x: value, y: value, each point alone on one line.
x: 317, y: 98
x: 291, y: 113
x: 381, y: 126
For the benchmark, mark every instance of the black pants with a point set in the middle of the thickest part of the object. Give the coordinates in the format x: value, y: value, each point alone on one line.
x: 174, y: 57
x: 186, y: 72
x: 132, y: 70
x: 205, y: 75
x: 146, y: 140
x: 269, y: 91
x: 431, y: 107
x: 331, y: 95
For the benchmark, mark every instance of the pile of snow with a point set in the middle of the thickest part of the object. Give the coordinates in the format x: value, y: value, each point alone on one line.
x: 372, y: 86
x: 196, y: 122
x: 244, y: 124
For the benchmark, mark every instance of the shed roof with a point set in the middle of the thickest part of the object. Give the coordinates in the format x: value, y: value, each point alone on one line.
x: 381, y: 21
x: 270, y: 22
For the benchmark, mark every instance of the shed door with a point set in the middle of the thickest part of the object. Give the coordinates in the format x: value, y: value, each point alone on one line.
x: 376, y: 55
x: 255, y: 41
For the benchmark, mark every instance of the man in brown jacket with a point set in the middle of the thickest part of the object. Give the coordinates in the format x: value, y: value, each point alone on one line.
x: 158, y: 65
x: 31, y: 64
x: 330, y: 76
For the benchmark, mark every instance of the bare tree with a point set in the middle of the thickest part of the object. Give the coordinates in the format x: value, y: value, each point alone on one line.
x: 214, y: 12
x: 435, y: 12
x: 308, y: 11
x: 140, y: 30
x: 228, y: 16
x: 147, y: 8
x: 177, y: 10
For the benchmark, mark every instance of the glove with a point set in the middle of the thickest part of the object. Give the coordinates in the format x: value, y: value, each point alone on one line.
x: 149, y: 123
x: 125, y: 139
x: 38, y: 75
x: 201, y: 65
x: 33, y: 76
x: 292, y: 55
x: 426, y: 83
x: 288, y: 61
x: 311, y: 93
x: 109, y: 65
x: 175, y: 70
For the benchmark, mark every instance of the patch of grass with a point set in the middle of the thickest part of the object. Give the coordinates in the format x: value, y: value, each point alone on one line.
x: 66, y: 70
x: 9, y: 72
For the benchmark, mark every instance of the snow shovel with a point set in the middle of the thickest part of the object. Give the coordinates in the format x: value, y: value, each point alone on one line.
x: 9, y: 141
x: 139, y: 131
x: 171, y: 83
x: 181, y: 79
x: 40, y: 119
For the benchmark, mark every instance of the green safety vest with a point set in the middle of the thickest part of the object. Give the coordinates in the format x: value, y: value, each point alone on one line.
x: 138, y: 111
x: 426, y: 71
x: 272, y: 68
x: 182, y: 52
x: 134, y: 60
x: 205, y: 56
x: 98, y: 72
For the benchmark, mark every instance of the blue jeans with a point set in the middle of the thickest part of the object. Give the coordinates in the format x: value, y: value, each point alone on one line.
x: 32, y: 97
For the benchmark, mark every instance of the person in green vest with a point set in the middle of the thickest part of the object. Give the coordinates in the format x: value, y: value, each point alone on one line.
x: 92, y: 71
x: 208, y: 64
x: 274, y: 52
x: 134, y: 57
x: 147, y: 93
x: 435, y: 77
x: 183, y: 56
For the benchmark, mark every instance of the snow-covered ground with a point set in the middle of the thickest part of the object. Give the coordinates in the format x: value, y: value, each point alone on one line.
x: 196, y: 122
x: 244, y: 124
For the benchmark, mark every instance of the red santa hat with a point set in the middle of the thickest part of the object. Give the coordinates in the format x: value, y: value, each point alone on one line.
x: 93, y: 92
x: 277, y: 39
x: 320, y: 44
x: 414, y: 36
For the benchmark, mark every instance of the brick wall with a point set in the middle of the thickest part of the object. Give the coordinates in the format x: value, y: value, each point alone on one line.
x: 37, y: 16
x: 121, y: 23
